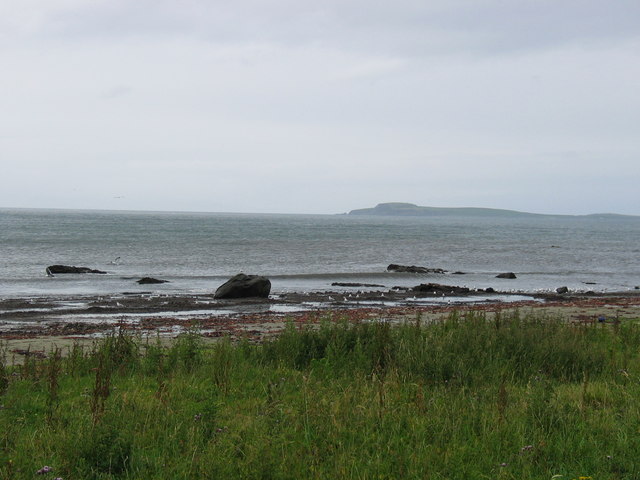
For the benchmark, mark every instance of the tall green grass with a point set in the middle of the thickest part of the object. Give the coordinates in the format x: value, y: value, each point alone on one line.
x: 508, y: 397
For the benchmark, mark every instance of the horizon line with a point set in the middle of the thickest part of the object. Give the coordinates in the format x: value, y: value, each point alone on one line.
x: 111, y: 210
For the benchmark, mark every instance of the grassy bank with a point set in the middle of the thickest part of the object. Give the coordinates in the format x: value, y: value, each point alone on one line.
x: 465, y: 398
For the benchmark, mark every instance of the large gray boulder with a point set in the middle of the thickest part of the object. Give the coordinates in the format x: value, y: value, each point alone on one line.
x: 244, y: 286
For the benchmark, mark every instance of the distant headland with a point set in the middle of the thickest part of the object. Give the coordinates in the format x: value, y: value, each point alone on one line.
x: 398, y: 209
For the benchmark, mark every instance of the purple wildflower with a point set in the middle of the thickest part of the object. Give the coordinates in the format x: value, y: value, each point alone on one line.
x: 45, y: 469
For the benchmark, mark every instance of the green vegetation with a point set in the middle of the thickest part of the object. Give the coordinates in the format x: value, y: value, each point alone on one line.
x: 506, y: 397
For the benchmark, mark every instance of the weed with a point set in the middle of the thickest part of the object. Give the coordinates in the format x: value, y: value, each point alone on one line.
x: 74, y: 361
x: 103, y: 449
x: 54, y: 367
x: 186, y: 351
x: 102, y: 385
x: 4, y: 375
x: 221, y: 363
x: 502, y: 400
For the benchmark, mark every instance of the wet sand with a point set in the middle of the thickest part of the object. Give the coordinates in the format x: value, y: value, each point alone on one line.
x: 36, y: 326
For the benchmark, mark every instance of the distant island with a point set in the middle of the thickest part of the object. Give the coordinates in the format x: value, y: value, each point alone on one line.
x: 398, y: 209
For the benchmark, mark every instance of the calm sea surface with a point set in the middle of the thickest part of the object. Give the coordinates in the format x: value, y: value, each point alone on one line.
x: 197, y: 252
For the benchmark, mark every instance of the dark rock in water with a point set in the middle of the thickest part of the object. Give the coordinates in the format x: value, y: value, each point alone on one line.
x: 489, y: 290
x: 562, y: 290
x: 400, y: 289
x: 151, y: 280
x: 244, y: 286
x: 62, y: 269
x: 589, y: 283
x: 348, y: 284
x: 458, y: 273
x: 412, y: 269
x: 510, y: 275
x: 95, y: 309
x: 438, y: 289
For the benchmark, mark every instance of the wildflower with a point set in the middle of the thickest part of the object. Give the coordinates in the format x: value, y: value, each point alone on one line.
x: 504, y: 464
x: 197, y: 416
x: 43, y: 470
x: 526, y: 448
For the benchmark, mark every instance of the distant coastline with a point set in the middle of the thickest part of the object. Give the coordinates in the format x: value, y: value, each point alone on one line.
x: 399, y: 209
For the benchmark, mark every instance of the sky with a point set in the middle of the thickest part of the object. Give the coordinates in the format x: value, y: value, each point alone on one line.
x: 292, y: 106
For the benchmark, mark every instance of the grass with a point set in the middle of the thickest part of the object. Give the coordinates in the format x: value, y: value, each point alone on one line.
x: 509, y: 397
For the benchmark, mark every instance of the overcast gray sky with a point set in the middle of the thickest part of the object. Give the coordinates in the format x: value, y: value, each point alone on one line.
x: 295, y: 106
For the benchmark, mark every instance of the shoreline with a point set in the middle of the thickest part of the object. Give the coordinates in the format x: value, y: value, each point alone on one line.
x: 36, y: 326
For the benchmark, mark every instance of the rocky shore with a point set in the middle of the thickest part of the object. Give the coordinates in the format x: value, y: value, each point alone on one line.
x: 33, y: 326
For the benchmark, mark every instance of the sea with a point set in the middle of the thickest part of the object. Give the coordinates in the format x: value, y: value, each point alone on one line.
x: 197, y: 252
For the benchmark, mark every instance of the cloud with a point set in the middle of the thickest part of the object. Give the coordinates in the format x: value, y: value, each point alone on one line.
x: 116, y: 91
x: 402, y: 27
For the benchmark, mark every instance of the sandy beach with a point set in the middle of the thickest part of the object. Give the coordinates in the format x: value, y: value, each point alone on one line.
x: 36, y: 326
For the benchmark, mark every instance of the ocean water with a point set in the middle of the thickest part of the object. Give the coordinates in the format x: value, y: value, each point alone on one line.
x: 196, y: 252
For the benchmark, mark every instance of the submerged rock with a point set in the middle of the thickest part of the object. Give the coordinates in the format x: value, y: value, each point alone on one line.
x: 510, y: 275
x: 562, y: 290
x: 350, y: 284
x: 412, y: 269
x: 63, y: 269
x: 244, y: 286
x: 438, y: 289
x: 151, y: 280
